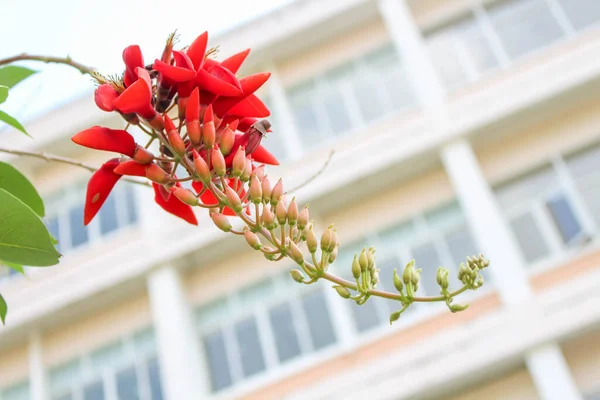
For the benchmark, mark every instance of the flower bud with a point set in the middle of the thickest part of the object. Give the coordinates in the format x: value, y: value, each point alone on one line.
x: 342, y: 291
x: 245, y: 177
x: 458, y: 307
x: 415, y: 276
x: 408, y: 270
x: 194, y: 131
x: 233, y: 199
x: 281, y: 213
x: 266, y: 190
x: 186, y: 196
x: 356, y: 271
x: 297, y: 275
x: 327, y: 240
x: 303, y: 218
x: 142, y: 156
x: 371, y: 258
x: 255, y: 191
x: 276, y: 193
x: 201, y: 167
x: 227, y: 141
x: 375, y: 278
x: 221, y: 221
x: 176, y: 142
x: 260, y: 172
x: 463, y: 271
x: 239, y: 162
x: 395, y: 316
x: 311, y: 241
x: 442, y: 278
x: 208, y: 128
x: 252, y: 239
x: 363, y: 261
x: 295, y: 253
x: 333, y: 256
x: 218, y: 162
x: 292, y: 213
x: 268, y: 218
x: 397, y: 281
x: 157, y: 174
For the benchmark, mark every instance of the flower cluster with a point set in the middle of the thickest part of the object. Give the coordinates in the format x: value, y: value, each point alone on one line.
x: 216, y: 134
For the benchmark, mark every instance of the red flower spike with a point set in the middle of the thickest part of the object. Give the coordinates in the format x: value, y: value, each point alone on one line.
x: 98, y: 189
x: 192, y: 110
x: 174, y: 138
x: 131, y: 168
x: 263, y: 156
x: 251, y: 106
x: 132, y: 56
x: 174, y: 206
x: 197, y: 50
x: 106, y: 139
x: 104, y: 96
x: 234, y: 62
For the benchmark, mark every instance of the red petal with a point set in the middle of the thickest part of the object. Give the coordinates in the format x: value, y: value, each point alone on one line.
x: 106, y: 139
x: 245, y: 123
x: 218, y: 80
x: 192, y: 110
x: 197, y: 50
x: 234, y: 62
x: 104, y: 96
x: 132, y: 56
x: 207, y: 198
x: 136, y: 99
x: 174, y: 206
x: 250, y: 84
x: 131, y: 168
x: 208, y: 114
x: 263, y: 156
x: 169, y: 125
x: 173, y: 73
x: 98, y: 189
x: 251, y: 106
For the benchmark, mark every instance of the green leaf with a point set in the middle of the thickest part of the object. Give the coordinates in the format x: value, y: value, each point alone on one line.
x: 14, y: 267
x: 3, y: 309
x: 24, y: 238
x: 12, y: 122
x: 19, y: 186
x: 3, y: 93
x: 13, y: 74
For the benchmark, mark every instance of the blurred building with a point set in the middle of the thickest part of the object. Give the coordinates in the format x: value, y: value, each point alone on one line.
x: 460, y: 126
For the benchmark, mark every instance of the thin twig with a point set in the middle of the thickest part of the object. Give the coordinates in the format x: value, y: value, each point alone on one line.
x: 64, y: 160
x: 45, y: 59
x: 315, y: 175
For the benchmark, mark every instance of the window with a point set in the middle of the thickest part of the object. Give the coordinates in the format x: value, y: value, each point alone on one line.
x: 581, y: 13
x: 465, y: 48
x: 461, y: 52
x: 64, y: 215
x: 275, y: 141
x: 129, y: 366
x: 260, y: 327
x: 18, y: 391
x: 436, y: 238
x: 555, y: 208
x: 350, y: 95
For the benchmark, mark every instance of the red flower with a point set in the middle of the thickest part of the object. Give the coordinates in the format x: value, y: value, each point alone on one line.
x: 207, y: 198
x: 174, y: 206
x: 106, y: 139
x: 98, y: 189
x: 182, y: 71
x: 137, y: 98
x: 104, y: 96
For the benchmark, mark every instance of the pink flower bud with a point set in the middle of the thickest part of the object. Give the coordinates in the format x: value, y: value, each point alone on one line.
x: 234, y: 199
x: 252, y: 239
x: 255, y: 190
x: 311, y: 241
x: 295, y: 253
x: 277, y: 192
x: 201, y: 167
x: 266, y: 190
x: 218, y: 162
x: 221, y: 221
x: 292, y: 213
x: 142, y: 156
x: 303, y: 218
x: 247, y: 171
x: 208, y: 129
x: 239, y: 162
x: 281, y: 213
x: 186, y: 196
x: 268, y: 218
x: 157, y: 174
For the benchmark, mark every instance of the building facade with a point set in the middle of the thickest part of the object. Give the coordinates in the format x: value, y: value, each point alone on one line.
x: 459, y: 127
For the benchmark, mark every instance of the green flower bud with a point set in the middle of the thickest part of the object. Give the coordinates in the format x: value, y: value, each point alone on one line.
x: 297, y: 275
x: 395, y: 316
x: 458, y: 307
x: 268, y: 218
x: 371, y: 257
x: 255, y: 191
x: 327, y: 240
x: 356, y: 268
x: 303, y: 218
x: 363, y: 261
x: 342, y: 291
x: 252, y: 239
x: 292, y: 213
x: 295, y: 253
x: 397, y: 281
x: 333, y: 256
x: 221, y: 221
x: 408, y: 271
x: 442, y: 278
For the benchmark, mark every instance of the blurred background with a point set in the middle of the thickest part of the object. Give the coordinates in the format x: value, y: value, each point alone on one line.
x: 459, y: 127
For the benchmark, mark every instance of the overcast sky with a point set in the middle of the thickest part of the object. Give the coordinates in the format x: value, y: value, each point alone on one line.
x: 95, y: 33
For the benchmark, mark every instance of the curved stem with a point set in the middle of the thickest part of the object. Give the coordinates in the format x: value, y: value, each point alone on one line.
x: 48, y: 60
x: 64, y: 160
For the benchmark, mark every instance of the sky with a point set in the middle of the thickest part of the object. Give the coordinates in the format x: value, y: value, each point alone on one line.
x: 95, y: 33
